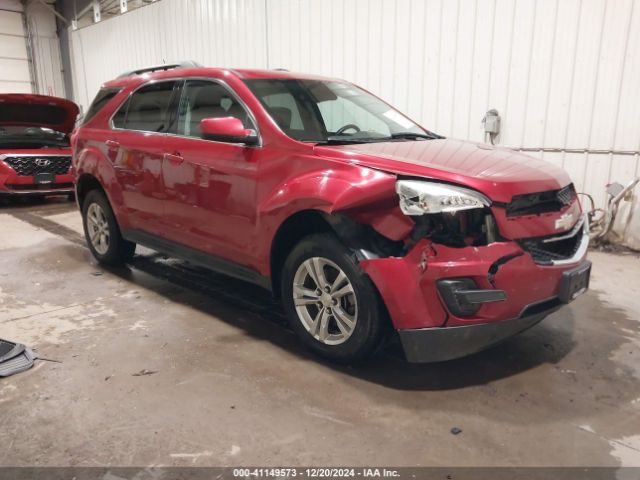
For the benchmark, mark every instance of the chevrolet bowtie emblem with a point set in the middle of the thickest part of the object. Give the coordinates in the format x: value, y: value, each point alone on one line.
x: 565, y: 222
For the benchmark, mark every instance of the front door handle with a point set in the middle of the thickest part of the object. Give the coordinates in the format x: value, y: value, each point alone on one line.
x: 174, y: 158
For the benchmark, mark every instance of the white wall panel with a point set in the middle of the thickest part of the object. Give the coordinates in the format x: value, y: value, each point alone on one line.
x: 13, y: 47
x: 213, y: 32
x: 563, y: 74
x: 15, y: 75
x: 15, y: 71
x: 552, y: 68
x: 480, y: 81
x: 45, y: 51
x: 11, y: 23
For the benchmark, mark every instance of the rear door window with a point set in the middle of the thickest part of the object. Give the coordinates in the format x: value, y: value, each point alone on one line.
x: 148, y: 109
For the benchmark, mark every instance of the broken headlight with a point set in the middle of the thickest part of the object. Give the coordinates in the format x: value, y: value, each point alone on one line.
x: 418, y: 197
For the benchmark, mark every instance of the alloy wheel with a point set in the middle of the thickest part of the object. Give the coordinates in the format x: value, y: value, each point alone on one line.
x: 325, y: 301
x: 98, y: 228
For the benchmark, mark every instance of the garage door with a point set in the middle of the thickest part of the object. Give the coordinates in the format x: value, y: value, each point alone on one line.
x: 14, y: 62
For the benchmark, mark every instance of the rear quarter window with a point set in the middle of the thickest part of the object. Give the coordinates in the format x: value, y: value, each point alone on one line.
x: 147, y: 109
x: 102, y: 98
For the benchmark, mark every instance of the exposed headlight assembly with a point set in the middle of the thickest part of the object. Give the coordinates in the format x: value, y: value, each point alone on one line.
x: 420, y: 197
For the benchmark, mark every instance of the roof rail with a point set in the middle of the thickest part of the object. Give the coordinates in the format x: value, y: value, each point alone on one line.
x: 156, y: 68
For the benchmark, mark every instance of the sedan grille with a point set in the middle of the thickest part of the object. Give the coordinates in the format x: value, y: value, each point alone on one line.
x: 546, y: 250
x: 27, y: 166
x: 541, y: 202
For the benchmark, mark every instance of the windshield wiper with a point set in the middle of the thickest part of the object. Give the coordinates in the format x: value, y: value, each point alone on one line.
x: 428, y: 136
x: 394, y: 136
x: 347, y: 141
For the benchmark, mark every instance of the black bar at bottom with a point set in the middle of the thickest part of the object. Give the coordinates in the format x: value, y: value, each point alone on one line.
x: 396, y: 473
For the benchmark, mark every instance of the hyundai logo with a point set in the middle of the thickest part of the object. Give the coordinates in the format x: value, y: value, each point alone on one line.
x: 42, y: 162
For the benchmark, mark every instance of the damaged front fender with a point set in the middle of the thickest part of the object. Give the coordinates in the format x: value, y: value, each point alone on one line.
x: 351, y: 200
x: 331, y: 191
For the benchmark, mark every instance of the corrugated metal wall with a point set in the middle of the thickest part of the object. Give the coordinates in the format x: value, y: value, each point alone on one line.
x: 213, y: 32
x: 15, y: 72
x: 45, y: 47
x: 30, y: 59
x: 563, y: 74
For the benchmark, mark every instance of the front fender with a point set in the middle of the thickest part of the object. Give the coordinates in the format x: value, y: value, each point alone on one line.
x: 367, y: 196
x: 330, y: 191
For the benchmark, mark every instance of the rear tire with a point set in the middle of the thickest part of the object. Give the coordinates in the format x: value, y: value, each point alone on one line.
x: 102, y: 232
x: 332, y: 305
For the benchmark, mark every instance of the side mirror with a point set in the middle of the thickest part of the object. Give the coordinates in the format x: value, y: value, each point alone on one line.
x: 227, y: 129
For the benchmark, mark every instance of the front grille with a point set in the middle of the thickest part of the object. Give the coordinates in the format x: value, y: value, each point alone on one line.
x: 566, y: 195
x: 541, y: 202
x: 545, y: 250
x: 27, y: 166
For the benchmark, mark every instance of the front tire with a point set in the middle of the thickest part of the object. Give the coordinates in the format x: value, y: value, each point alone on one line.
x: 102, y: 232
x: 332, y: 305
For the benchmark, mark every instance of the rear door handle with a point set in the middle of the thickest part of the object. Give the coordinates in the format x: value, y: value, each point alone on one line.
x: 174, y: 158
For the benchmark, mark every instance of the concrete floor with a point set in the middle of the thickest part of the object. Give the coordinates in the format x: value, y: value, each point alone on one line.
x: 233, y: 387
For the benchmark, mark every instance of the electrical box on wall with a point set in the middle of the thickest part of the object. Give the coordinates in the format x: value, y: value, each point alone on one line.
x: 492, y: 122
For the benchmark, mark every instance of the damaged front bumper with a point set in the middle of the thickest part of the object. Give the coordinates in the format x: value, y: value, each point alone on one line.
x: 450, y: 302
x: 439, y: 344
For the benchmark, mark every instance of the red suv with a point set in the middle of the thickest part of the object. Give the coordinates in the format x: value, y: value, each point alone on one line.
x: 360, y: 220
x: 35, y: 155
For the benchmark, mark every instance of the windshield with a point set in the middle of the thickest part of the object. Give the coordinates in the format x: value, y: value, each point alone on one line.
x: 332, y: 112
x: 31, y: 137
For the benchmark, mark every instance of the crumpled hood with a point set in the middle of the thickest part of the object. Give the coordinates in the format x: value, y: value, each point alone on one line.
x: 17, y: 109
x: 497, y: 172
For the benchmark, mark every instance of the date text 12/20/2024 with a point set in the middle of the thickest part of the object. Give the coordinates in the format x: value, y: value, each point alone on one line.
x: 249, y: 473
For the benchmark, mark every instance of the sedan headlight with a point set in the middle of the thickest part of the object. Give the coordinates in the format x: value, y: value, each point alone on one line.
x: 419, y: 197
